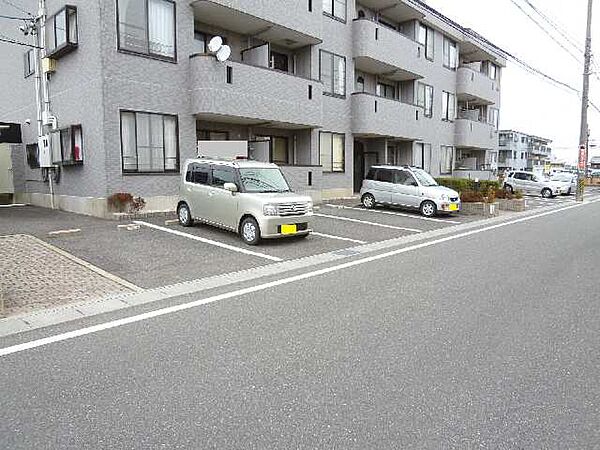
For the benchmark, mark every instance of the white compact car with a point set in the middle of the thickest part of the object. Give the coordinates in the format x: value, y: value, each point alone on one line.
x: 408, y: 187
x: 529, y: 183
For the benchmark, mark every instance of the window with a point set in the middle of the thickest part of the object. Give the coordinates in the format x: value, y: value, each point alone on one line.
x: 33, y: 157
x: 335, y: 8
x: 147, y: 27
x: 386, y: 90
x: 425, y: 38
x: 425, y: 98
x: 332, y: 151
x: 333, y: 74
x: 222, y: 175
x: 522, y: 139
x: 149, y: 142
x: 493, y: 71
x: 360, y: 84
x: 448, y: 106
x: 197, y: 173
x: 61, y: 32
x: 493, y: 117
x: 279, y: 150
x: 450, y: 54
x: 28, y: 63
x: 422, y: 156
x: 446, y: 156
x: 384, y: 175
x: 67, y: 146
x: 279, y: 61
x: 404, y: 177
x: 208, y: 135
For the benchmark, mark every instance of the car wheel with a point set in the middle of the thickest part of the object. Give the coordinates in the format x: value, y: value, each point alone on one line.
x: 428, y: 208
x: 184, y: 215
x: 508, y: 188
x: 547, y: 193
x: 250, y: 231
x: 368, y: 201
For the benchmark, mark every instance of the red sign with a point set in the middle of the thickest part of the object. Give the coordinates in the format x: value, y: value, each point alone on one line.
x: 582, y: 157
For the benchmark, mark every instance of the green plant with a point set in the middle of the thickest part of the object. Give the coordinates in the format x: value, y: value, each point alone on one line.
x: 465, y: 184
x: 471, y: 196
x: 518, y: 195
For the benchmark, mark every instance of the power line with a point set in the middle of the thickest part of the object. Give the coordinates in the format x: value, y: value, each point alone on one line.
x: 2, y: 16
x: 8, y: 40
x: 557, y: 27
x: 576, y: 57
x: 9, y: 3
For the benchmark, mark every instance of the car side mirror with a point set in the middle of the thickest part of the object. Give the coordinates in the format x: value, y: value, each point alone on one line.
x: 231, y: 187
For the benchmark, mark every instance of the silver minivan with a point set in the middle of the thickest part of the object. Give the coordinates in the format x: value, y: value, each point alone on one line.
x: 409, y: 187
x: 248, y: 197
x: 530, y: 183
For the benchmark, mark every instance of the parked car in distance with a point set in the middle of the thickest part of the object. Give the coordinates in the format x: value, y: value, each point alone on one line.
x: 250, y: 198
x: 408, y: 187
x: 529, y: 183
x: 568, y: 180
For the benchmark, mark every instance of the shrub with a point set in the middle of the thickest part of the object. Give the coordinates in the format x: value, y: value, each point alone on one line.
x: 125, y: 202
x: 465, y: 184
x: 471, y: 196
x: 518, y: 195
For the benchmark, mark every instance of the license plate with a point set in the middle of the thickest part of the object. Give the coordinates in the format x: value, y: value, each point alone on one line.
x: 289, y: 229
x: 453, y: 207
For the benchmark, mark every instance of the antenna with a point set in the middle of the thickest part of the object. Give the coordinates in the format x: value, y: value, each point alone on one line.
x: 215, y: 44
x: 224, y: 53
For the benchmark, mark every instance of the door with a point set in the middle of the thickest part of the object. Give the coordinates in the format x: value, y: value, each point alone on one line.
x: 6, y: 170
x: 406, y: 189
x: 383, y: 185
x: 223, y: 204
x: 370, y: 159
x: 196, y: 188
x: 519, y: 182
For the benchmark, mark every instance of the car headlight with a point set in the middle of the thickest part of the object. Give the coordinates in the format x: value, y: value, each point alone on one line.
x: 270, y: 209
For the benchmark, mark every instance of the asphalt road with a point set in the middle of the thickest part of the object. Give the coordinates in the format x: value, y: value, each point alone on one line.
x: 489, y: 340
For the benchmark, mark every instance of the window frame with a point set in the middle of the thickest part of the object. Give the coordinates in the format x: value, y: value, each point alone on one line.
x: 449, y: 168
x: 429, y: 35
x: 451, y: 64
x: 333, y: 59
x: 425, y: 87
x: 28, y: 69
x: 67, y: 46
x: 446, y: 106
x: 149, y: 54
x: 177, y: 149
x: 331, y: 14
x: 333, y: 133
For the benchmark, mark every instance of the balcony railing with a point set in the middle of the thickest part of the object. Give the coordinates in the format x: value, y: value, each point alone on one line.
x: 253, y: 94
x: 472, y: 85
x: 475, y: 134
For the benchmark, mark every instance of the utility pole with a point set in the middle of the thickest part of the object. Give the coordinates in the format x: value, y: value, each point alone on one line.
x: 584, y: 132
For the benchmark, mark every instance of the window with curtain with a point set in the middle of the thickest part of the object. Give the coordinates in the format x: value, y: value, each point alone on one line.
x: 450, y: 53
x: 422, y: 156
x: 333, y: 73
x: 425, y: 38
x: 448, y: 106
x: 386, y: 90
x: 446, y: 153
x: 149, y: 142
x: 425, y: 98
x: 147, y: 27
x: 61, y: 32
x: 332, y: 151
x: 335, y: 8
x: 494, y: 116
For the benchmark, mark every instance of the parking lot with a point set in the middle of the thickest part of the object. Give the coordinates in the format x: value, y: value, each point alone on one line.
x: 157, y: 251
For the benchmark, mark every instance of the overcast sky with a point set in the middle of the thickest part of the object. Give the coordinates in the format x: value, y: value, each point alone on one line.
x: 529, y: 104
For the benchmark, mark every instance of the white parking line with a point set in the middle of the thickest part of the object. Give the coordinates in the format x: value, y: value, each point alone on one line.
x: 375, y: 224
x: 11, y: 205
x: 208, y: 241
x: 394, y: 213
x: 339, y: 238
x: 261, y: 287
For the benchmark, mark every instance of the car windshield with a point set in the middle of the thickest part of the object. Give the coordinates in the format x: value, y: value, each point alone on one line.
x: 263, y: 180
x: 424, y: 178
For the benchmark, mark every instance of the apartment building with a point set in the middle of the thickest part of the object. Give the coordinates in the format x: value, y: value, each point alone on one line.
x: 521, y: 151
x: 325, y: 88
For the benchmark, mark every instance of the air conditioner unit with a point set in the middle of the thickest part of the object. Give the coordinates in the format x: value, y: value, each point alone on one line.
x: 45, y: 151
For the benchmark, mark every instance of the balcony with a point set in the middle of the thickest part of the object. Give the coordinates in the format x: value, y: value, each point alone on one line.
x: 383, y: 51
x: 374, y: 116
x: 240, y: 93
x: 475, y: 134
x: 473, y: 86
x: 287, y: 23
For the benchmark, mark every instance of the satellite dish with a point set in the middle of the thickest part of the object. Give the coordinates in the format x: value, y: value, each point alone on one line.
x: 224, y: 53
x: 215, y: 44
